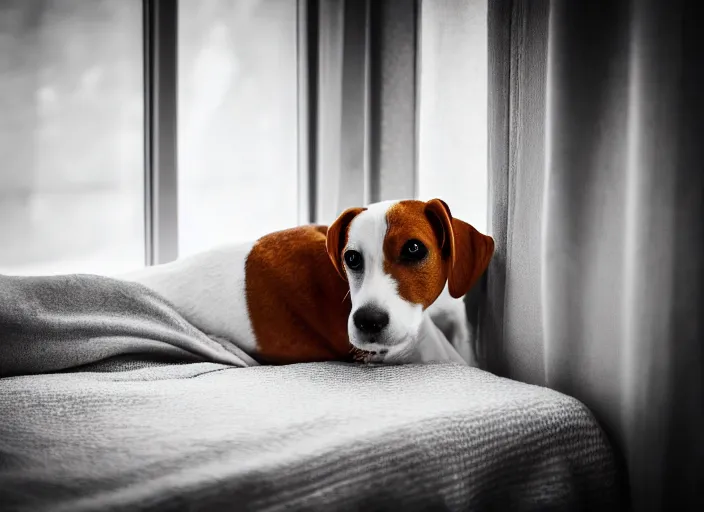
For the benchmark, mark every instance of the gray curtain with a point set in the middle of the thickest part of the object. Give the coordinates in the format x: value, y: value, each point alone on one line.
x: 596, y: 165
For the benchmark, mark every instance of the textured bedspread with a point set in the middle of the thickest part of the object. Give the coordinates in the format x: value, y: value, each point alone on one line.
x: 110, y: 401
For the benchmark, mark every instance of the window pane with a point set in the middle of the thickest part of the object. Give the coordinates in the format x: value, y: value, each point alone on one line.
x: 237, y: 120
x: 71, y: 179
x: 452, y: 160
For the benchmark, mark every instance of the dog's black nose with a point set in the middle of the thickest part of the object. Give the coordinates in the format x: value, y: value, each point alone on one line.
x: 370, y: 319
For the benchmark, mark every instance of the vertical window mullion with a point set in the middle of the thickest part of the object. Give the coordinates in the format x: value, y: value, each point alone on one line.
x: 160, y: 130
x: 308, y: 43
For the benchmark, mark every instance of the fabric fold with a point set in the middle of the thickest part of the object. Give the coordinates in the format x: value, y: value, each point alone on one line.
x: 56, y: 323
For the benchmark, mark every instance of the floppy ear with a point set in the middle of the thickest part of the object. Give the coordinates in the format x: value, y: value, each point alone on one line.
x: 335, y: 240
x: 468, y: 252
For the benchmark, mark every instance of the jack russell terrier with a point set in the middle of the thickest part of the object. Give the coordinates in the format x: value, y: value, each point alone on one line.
x: 366, y: 288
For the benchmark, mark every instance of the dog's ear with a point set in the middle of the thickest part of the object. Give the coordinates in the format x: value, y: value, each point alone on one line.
x: 335, y: 240
x: 467, y: 251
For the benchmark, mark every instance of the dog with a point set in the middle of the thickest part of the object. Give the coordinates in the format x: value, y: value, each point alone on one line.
x: 366, y: 288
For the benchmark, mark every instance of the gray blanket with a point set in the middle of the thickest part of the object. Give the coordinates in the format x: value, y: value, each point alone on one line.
x: 109, y: 400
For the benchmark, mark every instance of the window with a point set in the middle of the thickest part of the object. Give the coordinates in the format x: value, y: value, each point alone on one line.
x: 238, y: 139
x: 452, y: 152
x: 71, y: 136
x: 254, y: 153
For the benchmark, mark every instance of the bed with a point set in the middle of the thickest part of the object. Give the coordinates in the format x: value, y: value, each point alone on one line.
x: 109, y: 400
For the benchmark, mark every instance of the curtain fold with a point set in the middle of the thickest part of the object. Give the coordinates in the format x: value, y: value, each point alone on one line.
x: 367, y: 103
x: 596, y: 161
x: 400, y: 105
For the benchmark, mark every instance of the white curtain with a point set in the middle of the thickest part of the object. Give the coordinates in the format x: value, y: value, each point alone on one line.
x: 402, y: 104
x: 596, y: 167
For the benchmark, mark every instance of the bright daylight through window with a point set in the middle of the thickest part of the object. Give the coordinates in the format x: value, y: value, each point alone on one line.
x: 71, y: 136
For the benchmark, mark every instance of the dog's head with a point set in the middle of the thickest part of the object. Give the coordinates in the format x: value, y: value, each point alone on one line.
x: 397, y: 257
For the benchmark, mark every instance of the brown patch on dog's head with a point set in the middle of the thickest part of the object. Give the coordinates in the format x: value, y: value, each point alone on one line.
x: 418, y: 282
x: 337, y: 238
x: 456, y: 252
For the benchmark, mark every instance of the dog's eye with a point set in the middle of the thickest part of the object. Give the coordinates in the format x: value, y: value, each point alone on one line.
x: 353, y: 260
x: 413, y: 251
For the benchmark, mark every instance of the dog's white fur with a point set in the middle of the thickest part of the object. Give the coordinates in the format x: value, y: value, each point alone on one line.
x: 373, y: 286
x: 208, y: 289
x: 450, y: 316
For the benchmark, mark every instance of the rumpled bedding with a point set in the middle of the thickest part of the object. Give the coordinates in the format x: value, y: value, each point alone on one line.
x: 111, y: 401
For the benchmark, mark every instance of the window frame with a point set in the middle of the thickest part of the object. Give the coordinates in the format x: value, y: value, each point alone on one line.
x: 160, y: 56
x: 160, y: 38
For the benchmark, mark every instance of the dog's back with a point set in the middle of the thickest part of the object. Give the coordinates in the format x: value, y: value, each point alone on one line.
x: 298, y: 304
x: 279, y: 299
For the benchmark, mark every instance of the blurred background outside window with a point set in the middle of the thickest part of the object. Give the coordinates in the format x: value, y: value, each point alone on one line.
x: 237, y: 133
x: 452, y: 123
x: 71, y: 136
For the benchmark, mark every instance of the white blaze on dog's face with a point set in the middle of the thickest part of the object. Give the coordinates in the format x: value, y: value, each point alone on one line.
x: 397, y: 257
x: 381, y: 318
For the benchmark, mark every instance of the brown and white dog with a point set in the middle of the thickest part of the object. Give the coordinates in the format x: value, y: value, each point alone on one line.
x: 364, y: 288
